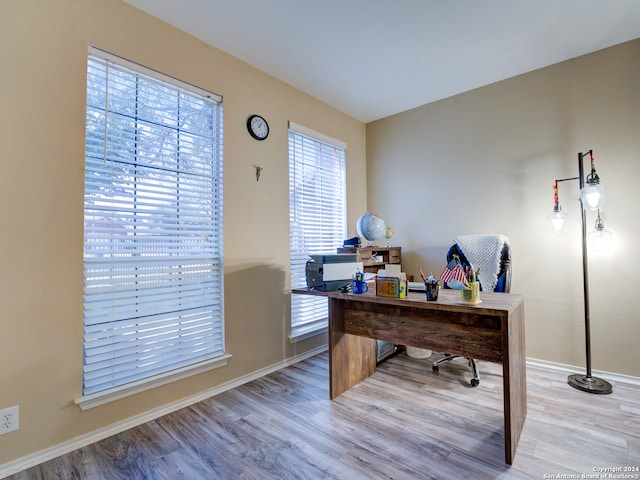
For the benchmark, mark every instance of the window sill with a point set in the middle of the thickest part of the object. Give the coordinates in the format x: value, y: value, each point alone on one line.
x: 308, y: 331
x: 87, y: 402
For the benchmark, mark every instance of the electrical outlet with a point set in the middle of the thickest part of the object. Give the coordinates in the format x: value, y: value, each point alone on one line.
x: 9, y: 419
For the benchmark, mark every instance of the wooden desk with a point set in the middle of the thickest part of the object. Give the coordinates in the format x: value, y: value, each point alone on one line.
x: 492, y: 331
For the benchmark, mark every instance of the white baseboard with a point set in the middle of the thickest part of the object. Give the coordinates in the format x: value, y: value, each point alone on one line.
x: 569, y: 369
x: 37, y: 458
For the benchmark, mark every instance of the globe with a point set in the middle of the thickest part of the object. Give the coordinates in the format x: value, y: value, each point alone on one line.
x: 370, y: 227
x: 388, y: 233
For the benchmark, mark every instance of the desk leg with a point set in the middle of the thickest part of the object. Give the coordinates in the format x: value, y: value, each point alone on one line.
x: 515, y: 382
x: 351, y: 358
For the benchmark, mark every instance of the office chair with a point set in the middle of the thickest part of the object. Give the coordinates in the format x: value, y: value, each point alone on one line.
x: 491, y: 255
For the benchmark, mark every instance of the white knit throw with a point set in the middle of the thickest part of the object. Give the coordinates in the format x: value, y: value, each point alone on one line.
x: 484, y: 252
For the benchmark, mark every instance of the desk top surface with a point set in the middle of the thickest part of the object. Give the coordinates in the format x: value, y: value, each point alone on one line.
x: 447, y: 300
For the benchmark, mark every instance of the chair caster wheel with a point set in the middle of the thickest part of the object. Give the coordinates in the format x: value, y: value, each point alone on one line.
x: 474, y: 382
x: 434, y: 369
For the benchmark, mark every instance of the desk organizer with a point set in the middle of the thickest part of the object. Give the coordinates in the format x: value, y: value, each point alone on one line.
x: 472, y: 295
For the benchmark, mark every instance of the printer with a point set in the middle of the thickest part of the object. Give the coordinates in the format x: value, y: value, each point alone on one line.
x: 327, y: 272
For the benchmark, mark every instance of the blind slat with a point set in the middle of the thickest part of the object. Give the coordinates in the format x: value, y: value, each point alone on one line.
x: 317, y: 213
x: 153, y: 225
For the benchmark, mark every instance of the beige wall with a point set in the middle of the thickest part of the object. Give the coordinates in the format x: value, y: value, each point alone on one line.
x: 43, y: 50
x: 485, y: 162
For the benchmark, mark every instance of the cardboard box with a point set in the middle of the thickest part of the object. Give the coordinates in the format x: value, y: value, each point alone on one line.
x: 391, y: 287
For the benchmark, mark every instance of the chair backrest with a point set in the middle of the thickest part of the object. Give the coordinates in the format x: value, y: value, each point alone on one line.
x: 503, y: 283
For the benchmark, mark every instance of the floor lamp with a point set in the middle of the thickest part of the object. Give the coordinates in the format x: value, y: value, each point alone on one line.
x: 591, y: 197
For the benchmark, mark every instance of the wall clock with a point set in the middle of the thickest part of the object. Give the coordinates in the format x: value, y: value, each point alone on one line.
x: 258, y: 127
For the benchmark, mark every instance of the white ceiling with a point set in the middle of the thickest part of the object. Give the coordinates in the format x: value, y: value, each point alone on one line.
x: 374, y: 58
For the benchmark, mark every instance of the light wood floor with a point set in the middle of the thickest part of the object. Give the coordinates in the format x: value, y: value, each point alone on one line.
x: 403, y: 423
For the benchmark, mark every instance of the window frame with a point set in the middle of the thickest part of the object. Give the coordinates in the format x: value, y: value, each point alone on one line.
x: 201, y: 237
x: 317, y: 307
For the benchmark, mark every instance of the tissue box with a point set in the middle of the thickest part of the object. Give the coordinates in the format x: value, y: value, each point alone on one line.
x: 472, y: 295
x: 391, y: 287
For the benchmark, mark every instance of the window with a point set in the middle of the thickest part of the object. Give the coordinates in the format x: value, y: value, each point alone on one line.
x: 153, y: 251
x: 317, y: 218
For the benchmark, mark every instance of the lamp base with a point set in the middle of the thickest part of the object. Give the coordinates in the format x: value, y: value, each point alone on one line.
x: 589, y: 384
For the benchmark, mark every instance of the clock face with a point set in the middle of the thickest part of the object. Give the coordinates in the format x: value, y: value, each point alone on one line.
x: 258, y: 127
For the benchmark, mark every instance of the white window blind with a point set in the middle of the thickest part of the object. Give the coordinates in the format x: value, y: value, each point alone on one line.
x: 317, y: 217
x: 153, y: 249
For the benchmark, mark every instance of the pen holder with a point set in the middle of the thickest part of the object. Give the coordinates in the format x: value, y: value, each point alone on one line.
x: 432, y: 290
x: 359, y: 287
x: 473, y: 294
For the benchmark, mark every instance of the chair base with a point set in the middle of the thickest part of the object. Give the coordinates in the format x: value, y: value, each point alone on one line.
x: 475, y: 381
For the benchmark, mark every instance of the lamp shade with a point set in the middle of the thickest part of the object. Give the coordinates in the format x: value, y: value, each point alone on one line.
x: 558, y: 221
x: 592, y: 196
x: 601, y: 240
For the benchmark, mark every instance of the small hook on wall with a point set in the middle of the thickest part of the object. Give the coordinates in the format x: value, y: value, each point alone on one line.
x: 258, y: 172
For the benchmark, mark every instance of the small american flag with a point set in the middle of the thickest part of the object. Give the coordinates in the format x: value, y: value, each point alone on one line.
x: 453, y: 271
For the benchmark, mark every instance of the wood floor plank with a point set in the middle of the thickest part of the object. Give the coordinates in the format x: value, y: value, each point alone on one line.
x: 404, y: 422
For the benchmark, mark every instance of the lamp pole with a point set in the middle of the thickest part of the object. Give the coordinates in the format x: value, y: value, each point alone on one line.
x: 587, y: 382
